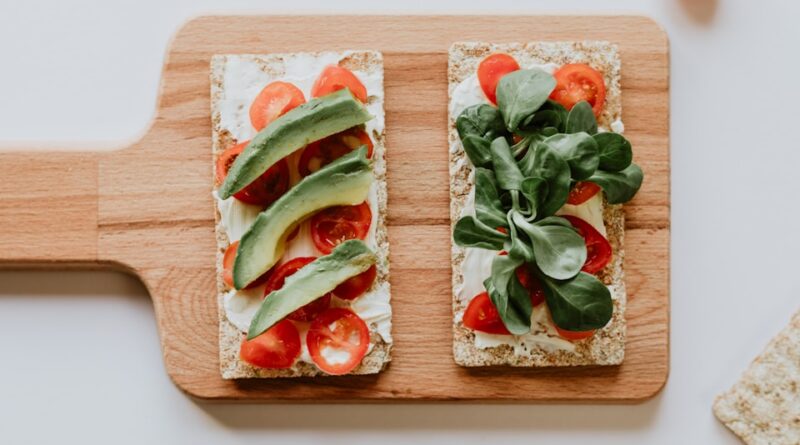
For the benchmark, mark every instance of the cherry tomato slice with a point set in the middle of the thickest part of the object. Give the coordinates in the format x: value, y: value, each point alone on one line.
x: 581, y: 192
x: 321, y: 153
x: 227, y: 268
x: 266, y: 189
x: 491, y: 70
x: 598, y: 249
x: 531, y: 282
x: 481, y: 315
x: 278, y: 278
x: 274, y: 101
x: 357, y: 285
x: 277, y: 348
x: 333, y: 78
x: 574, y: 335
x: 337, y: 341
x: 334, y: 225
x: 576, y: 82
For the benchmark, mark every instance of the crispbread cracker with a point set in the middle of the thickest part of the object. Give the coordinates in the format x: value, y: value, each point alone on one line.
x: 763, y: 407
x: 230, y: 336
x: 607, y: 346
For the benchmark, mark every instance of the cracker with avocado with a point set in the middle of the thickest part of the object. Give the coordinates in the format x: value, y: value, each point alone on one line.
x: 763, y: 407
x: 235, y: 81
x: 607, y: 346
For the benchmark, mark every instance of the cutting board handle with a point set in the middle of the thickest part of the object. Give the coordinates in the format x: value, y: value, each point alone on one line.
x: 48, y: 207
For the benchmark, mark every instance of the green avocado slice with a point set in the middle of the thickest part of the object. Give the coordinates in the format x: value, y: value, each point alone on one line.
x: 345, y: 181
x: 312, y: 121
x: 311, y: 282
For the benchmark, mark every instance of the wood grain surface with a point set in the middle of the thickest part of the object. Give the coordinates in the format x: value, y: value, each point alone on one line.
x: 109, y: 209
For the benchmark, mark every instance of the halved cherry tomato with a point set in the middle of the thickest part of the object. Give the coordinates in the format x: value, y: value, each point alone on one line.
x: 333, y: 78
x: 337, y: 341
x: 273, y: 101
x: 576, y: 82
x: 598, y: 249
x: 227, y: 267
x: 334, y: 225
x: 263, y: 191
x: 574, y: 335
x: 277, y: 348
x: 529, y: 281
x: 321, y: 153
x: 581, y: 192
x: 357, y: 285
x: 491, y: 70
x: 278, y: 278
x: 481, y: 315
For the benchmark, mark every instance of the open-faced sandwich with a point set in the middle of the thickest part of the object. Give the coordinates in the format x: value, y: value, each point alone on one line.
x: 300, y: 191
x: 538, y: 172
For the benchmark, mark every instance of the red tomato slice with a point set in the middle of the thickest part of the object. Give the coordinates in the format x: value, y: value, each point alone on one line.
x: 337, y: 341
x: 263, y: 191
x: 491, y: 70
x: 333, y: 78
x: 581, y: 192
x: 321, y: 153
x: 278, y: 278
x: 531, y: 282
x: 574, y: 335
x: 576, y: 82
x: 481, y: 315
x: 334, y: 225
x: 357, y: 285
x: 274, y: 101
x: 277, y: 348
x: 598, y: 249
x: 227, y: 268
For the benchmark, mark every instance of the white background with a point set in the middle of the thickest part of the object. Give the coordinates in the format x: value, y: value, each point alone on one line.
x: 80, y: 353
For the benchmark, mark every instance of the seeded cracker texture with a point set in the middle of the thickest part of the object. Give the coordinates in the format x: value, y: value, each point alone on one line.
x: 763, y: 407
x: 230, y: 337
x: 607, y: 346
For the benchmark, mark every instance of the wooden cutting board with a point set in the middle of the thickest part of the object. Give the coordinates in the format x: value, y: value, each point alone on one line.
x: 147, y: 209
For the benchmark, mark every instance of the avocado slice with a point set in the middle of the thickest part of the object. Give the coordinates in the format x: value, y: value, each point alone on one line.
x: 345, y: 181
x: 311, y: 282
x: 312, y: 121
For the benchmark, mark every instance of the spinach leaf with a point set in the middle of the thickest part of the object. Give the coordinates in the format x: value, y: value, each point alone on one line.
x: 477, y: 126
x: 550, y: 118
x: 534, y: 189
x: 582, y: 303
x: 558, y: 249
x: 512, y: 301
x: 521, y: 93
x: 619, y: 186
x: 505, y: 166
x: 488, y: 208
x: 614, y: 150
x: 579, y: 150
x: 520, y: 245
x: 581, y: 118
x: 544, y: 162
x: 470, y: 232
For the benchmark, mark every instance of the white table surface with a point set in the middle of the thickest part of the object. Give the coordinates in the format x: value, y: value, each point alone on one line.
x: 80, y: 353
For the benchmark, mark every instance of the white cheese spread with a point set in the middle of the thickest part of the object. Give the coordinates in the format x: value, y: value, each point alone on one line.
x: 243, y: 79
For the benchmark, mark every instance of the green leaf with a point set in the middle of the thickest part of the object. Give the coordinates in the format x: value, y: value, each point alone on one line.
x: 503, y: 287
x: 619, y: 186
x: 614, y: 150
x: 469, y: 232
x: 559, y: 250
x: 477, y: 126
x: 505, y: 166
x: 550, y: 118
x: 534, y: 189
x: 488, y: 208
x: 520, y: 244
x: 580, y: 152
x: 521, y: 93
x: 544, y: 162
x: 582, y: 303
x: 581, y: 118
